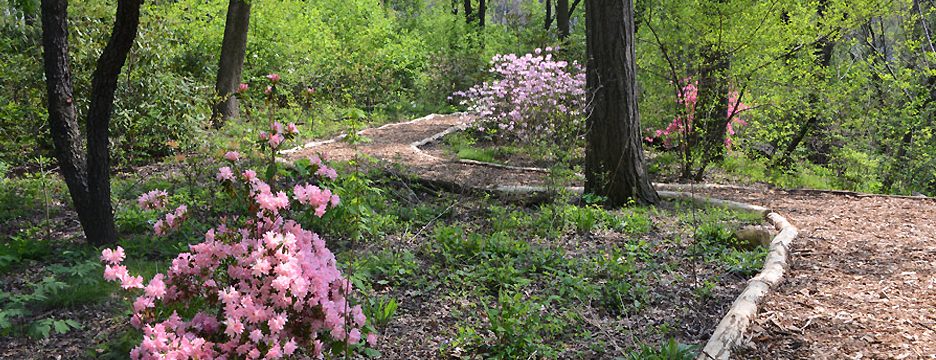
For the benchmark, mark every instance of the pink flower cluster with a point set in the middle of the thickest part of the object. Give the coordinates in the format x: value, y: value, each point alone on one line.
x: 533, y: 97
x: 278, y: 134
x: 322, y: 169
x: 689, y: 96
x: 171, y: 221
x: 262, y: 288
x: 153, y: 200
x: 315, y: 197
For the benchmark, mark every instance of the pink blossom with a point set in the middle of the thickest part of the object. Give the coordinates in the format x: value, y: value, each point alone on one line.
x: 153, y: 200
x: 275, y: 140
x: 249, y: 175
x: 234, y: 327
x: 256, y: 335
x: 290, y: 347
x: 225, y: 174
x: 131, y: 282
x: 354, y: 336
x: 156, y: 287
x: 232, y: 155
x: 242, y: 88
x: 292, y: 129
x: 113, y: 256
x: 273, y: 77
x: 372, y: 339
x: 277, y: 323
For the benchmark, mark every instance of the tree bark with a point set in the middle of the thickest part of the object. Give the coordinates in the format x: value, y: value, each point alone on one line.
x: 468, y: 17
x: 482, y: 13
x: 88, y: 179
x: 231, y: 63
x: 549, y: 17
x: 614, y: 163
x: 562, y: 19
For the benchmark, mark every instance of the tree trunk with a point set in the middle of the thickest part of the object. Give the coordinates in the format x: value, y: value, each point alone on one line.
x: 88, y: 180
x: 549, y: 18
x: 231, y: 64
x: 468, y: 17
x: 614, y: 164
x: 562, y: 18
x: 482, y: 13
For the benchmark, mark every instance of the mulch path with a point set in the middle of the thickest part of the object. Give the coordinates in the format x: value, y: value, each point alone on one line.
x: 391, y: 143
x: 861, y: 284
x: 862, y: 281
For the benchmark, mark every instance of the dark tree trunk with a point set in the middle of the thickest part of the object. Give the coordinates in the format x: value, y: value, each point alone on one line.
x: 468, y: 17
x: 614, y: 163
x: 482, y: 12
x: 63, y: 122
x: 88, y: 180
x: 549, y: 17
x: 231, y: 64
x: 562, y: 18
x: 454, y: 7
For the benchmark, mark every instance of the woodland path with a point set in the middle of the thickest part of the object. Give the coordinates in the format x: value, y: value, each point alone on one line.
x: 862, y: 279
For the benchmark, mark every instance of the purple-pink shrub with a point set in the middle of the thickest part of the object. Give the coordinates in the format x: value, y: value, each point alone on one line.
x: 260, y: 285
x: 533, y: 97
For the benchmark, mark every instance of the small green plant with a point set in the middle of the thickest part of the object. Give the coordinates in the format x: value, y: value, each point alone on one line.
x: 518, y: 327
x: 380, y: 310
x: 669, y: 350
x: 18, y: 310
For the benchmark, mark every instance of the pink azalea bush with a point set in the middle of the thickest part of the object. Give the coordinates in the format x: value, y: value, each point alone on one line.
x: 533, y: 97
x: 681, y: 123
x: 259, y: 284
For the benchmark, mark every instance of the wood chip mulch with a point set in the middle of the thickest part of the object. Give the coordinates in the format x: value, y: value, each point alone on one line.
x: 861, y: 284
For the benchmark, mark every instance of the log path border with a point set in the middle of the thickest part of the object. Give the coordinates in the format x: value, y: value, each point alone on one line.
x: 404, y: 148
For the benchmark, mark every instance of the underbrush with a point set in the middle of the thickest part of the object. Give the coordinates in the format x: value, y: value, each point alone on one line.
x: 551, y: 279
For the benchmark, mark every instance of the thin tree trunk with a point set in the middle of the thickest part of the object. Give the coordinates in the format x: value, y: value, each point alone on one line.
x: 562, y: 18
x: 88, y: 180
x: 482, y: 13
x: 468, y: 17
x: 231, y: 63
x: 549, y: 16
x: 614, y: 163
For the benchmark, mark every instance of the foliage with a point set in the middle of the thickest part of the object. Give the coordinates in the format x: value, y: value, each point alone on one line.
x: 61, y: 286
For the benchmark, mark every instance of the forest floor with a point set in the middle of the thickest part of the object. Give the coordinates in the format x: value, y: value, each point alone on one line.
x: 862, y: 281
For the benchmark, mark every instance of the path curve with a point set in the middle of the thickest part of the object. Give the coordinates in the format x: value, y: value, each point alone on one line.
x: 861, y: 283
x: 399, y: 144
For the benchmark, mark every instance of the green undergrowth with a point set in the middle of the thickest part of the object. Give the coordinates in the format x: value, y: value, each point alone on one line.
x: 518, y: 281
